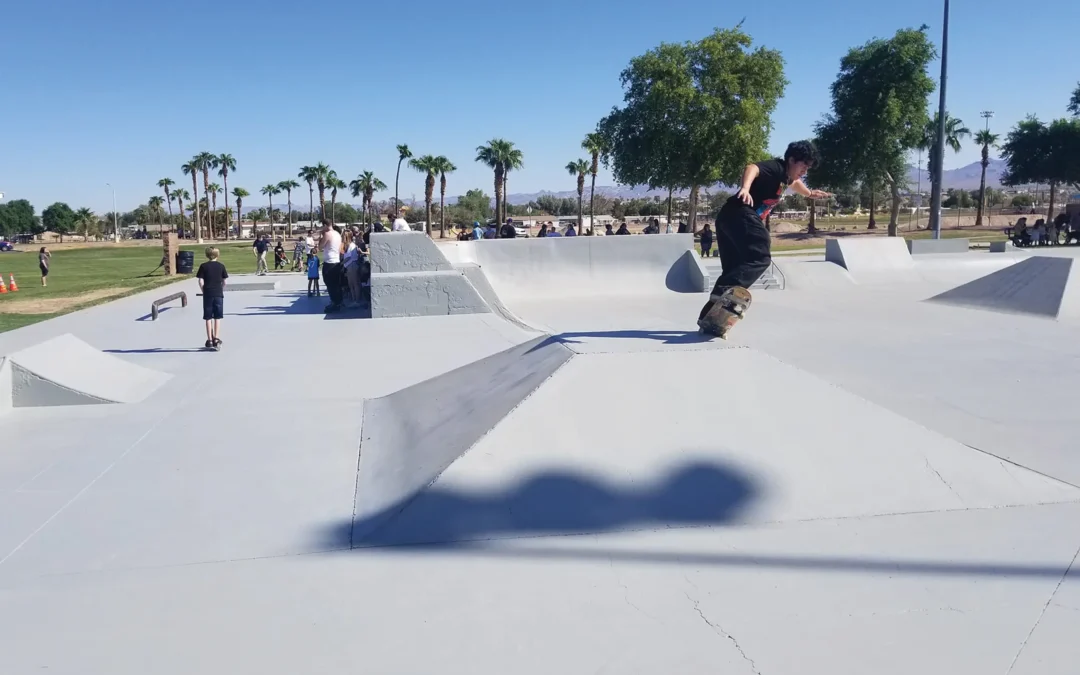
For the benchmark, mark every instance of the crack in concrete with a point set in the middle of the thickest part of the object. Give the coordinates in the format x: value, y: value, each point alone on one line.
x: 719, y: 630
x: 626, y: 594
x: 942, y: 479
x: 1043, y: 612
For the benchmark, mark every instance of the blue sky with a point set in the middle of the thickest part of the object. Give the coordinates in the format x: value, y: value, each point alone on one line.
x: 125, y: 91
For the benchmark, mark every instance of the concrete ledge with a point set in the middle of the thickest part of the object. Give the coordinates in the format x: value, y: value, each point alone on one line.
x: 435, y: 293
x: 252, y: 286
x: 869, y: 259
x: 925, y: 246
x: 1000, y: 246
x: 394, y: 252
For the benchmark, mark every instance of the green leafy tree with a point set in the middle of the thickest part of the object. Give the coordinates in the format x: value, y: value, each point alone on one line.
x: 428, y: 166
x: 335, y: 184
x: 180, y: 196
x: 878, y: 114
x: 501, y: 156
x: 695, y: 113
x: 1074, y: 102
x: 224, y: 163
x: 403, y: 154
x: 579, y: 168
x: 1039, y: 153
x: 473, y: 206
x: 86, y: 222
x: 443, y: 166
x: 987, y: 140
x: 155, y: 204
x: 17, y: 217
x: 59, y: 218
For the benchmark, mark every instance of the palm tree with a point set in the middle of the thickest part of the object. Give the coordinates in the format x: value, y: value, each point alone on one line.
x: 164, y: 184
x: 579, y: 167
x: 85, y: 219
x: 366, y: 184
x: 443, y: 166
x: 335, y: 184
x: 513, y: 160
x: 307, y: 174
x: 181, y: 195
x: 225, y: 163
x: 321, y: 173
x: 155, y: 208
x: 594, y: 145
x: 287, y: 186
x: 403, y: 154
x: 214, y: 190
x: 270, y: 191
x: 429, y: 166
x: 206, y: 162
x: 239, y: 193
x: 495, y: 154
x: 955, y: 131
x: 986, y: 139
x: 192, y: 168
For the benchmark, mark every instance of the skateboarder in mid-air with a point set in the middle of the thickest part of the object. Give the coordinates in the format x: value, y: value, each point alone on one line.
x: 741, y: 238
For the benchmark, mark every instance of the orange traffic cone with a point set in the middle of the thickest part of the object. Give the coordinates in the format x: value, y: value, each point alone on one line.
x: 14, y: 288
x: 3, y: 288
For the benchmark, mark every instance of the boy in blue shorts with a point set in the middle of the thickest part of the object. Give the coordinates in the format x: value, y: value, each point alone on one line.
x: 212, y: 275
x: 313, y: 275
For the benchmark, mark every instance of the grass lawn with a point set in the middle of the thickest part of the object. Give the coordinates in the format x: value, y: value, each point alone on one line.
x: 82, y: 277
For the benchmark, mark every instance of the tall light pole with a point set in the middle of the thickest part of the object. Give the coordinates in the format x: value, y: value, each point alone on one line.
x: 939, y: 148
x: 115, y: 220
x: 986, y: 115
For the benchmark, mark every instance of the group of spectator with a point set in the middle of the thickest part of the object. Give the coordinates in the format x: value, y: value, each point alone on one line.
x: 551, y: 229
x: 1042, y: 233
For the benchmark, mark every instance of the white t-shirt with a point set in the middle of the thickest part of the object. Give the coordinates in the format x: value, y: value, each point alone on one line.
x: 352, y: 256
x: 401, y: 226
x: 331, y: 247
x: 309, y: 244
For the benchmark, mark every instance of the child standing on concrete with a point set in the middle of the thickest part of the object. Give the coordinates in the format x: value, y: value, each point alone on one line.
x: 212, y: 275
x: 313, y: 275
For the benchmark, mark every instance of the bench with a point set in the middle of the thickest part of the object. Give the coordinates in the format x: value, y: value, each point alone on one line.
x: 181, y: 296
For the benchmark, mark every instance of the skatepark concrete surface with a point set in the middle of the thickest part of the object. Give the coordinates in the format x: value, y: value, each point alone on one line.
x: 860, y: 480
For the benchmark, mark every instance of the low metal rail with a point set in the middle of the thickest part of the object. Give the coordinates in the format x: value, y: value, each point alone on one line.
x: 181, y: 296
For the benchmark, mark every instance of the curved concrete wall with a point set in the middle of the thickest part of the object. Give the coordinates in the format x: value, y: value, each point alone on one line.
x: 536, y: 268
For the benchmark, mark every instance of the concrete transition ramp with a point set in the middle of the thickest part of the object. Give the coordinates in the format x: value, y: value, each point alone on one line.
x: 411, y: 436
x: 560, y: 267
x: 67, y: 371
x: 1039, y: 286
x: 397, y: 252
x: 623, y: 441
x: 871, y: 259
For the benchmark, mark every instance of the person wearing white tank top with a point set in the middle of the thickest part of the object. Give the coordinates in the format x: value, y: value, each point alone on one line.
x: 330, y: 247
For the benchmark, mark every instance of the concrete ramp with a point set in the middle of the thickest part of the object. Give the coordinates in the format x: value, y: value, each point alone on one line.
x: 872, y: 259
x: 412, y: 435
x: 398, y: 252
x: 625, y: 441
x: 561, y: 267
x: 67, y: 371
x: 1039, y: 286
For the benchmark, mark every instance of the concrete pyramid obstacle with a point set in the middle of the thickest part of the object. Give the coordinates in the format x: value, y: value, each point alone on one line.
x: 612, y: 442
x: 67, y: 371
x: 870, y: 259
x: 1039, y: 286
x: 411, y: 436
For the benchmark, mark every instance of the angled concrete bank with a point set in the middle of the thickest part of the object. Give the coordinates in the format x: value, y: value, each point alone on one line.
x: 1039, y: 286
x: 871, y: 259
x: 412, y: 435
x: 67, y: 371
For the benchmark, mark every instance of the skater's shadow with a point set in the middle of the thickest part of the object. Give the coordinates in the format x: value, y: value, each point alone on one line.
x: 155, y: 350
x: 554, y: 502
x: 667, y: 337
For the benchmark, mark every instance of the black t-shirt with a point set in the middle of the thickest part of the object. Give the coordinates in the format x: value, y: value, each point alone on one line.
x: 213, y: 275
x: 767, y: 188
x: 508, y: 231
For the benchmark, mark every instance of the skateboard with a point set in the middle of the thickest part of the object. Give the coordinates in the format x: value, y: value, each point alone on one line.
x: 215, y: 346
x: 727, y: 308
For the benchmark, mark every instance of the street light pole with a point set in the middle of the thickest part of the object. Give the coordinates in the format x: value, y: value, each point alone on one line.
x: 115, y: 220
x: 939, y: 148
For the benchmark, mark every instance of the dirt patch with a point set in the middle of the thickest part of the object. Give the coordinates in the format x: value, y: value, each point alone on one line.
x: 56, y: 305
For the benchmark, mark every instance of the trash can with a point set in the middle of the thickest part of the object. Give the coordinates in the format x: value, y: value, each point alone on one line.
x: 185, y: 262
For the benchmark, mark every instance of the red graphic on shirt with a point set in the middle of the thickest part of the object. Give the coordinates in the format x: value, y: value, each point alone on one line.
x: 766, y: 207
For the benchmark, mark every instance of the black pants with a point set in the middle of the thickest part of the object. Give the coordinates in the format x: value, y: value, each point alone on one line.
x: 744, y: 248
x: 331, y: 274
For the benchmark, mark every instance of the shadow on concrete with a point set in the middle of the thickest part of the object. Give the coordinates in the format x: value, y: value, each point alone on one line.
x: 155, y: 350
x: 150, y: 317
x: 668, y: 337
x: 302, y: 304
x: 889, y: 567
x: 554, y: 502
